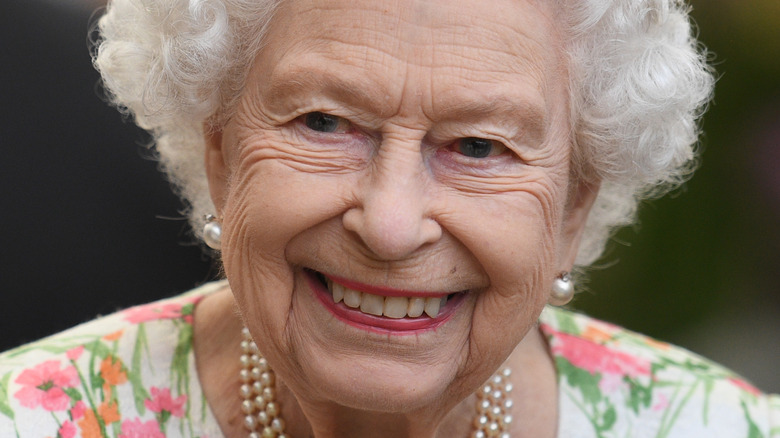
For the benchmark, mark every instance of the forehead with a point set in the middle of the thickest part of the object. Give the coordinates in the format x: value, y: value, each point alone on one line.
x: 435, y: 50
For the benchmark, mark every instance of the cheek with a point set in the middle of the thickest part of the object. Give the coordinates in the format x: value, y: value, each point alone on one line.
x: 516, y: 248
x: 513, y: 234
x: 278, y: 189
x: 269, y: 202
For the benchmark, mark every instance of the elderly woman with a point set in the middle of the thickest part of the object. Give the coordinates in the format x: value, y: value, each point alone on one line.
x: 396, y: 191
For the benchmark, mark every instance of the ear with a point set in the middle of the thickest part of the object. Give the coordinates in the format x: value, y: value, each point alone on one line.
x: 216, y: 168
x: 580, y: 203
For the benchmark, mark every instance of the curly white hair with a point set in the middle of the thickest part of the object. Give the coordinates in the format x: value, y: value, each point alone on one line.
x: 639, y: 81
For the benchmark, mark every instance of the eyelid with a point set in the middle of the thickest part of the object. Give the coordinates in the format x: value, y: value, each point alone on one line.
x: 499, y: 147
x: 503, y: 148
x: 345, y: 126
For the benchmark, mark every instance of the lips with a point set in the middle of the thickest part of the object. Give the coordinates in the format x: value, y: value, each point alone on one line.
x: 381, y: 309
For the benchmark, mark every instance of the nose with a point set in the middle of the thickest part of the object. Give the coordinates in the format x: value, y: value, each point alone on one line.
x: 392, y: 217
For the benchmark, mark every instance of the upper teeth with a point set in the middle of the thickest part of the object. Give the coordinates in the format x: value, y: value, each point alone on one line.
x: 391, y: 307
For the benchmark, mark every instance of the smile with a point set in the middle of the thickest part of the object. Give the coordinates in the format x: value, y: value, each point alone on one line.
x: 381, y: 309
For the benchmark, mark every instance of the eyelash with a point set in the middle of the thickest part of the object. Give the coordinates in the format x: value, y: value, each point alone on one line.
x: 316, y: 121
x: 469, y: 146
x: 342, y: 125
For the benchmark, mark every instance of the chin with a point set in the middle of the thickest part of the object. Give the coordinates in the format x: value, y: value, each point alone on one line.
x: 381, y: 385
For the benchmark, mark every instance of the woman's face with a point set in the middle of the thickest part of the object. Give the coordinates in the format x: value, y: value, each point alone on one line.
x: 408, y: 152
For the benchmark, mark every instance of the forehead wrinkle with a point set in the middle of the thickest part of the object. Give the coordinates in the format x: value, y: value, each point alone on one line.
x: 513, y: 64
x: 416, y: 41
x: 504, y: 39
x: 303, y: 84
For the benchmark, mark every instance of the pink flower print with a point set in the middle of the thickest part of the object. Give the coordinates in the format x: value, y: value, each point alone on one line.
x: 74, y: 353
x: 67, y: 430
x: 77, y: 411
x: 161, y: 401
x: 662, y: 403
x: 741, y: 384
x: 597, y: 358
x: 156, y: 311
x: 43, y: 386
x: 152, y: 312
x: 611, y: 383
x: 136, y: 429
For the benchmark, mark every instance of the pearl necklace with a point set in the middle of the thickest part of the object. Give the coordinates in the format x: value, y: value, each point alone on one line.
x: 263, y: 416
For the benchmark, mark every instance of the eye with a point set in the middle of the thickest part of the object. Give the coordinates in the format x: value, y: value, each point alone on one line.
x: 474, y: 147
x: 326, y: 123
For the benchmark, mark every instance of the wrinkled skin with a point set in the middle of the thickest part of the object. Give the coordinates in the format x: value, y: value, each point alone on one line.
x: 389, y: 194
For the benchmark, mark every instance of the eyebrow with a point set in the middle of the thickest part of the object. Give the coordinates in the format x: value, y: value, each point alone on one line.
x: 300, y: 82
x: 354, y: 90
x: 519, y: 111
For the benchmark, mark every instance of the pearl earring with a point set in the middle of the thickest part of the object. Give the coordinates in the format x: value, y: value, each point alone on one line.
x: 562, y: 290
x: 212, y: 232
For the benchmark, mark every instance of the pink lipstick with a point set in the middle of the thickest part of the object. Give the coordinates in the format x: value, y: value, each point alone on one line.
x: 382, y: 324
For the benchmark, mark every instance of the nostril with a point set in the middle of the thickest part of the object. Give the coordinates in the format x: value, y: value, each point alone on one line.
x: 352, y: 220
x: 430, y: 230
x: 391, y: 228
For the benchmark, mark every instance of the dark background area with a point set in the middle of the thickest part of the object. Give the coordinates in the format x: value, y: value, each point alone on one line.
x: 89, y: 225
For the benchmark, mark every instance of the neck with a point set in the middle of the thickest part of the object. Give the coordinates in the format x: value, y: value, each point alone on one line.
x: 329, y: 420
x: 217, y: 329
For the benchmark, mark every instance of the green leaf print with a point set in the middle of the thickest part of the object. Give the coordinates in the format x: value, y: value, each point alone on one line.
x: 95, y: 381
x: 566, y: 323
x: 134, y: 374
x: 608, y: 419
x: 705, y: 410
x: 670, y: 416
x: 187, y: 309
x: 587, y: 383
x: 180, y: 370
x: 73, y: 393
x: 5, y: 408
x: 753, y: 430
x: 98, y: 349
x: 640, y: 396
x: 180, y: 364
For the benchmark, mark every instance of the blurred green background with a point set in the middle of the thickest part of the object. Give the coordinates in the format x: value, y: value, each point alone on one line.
x: 702, y: 266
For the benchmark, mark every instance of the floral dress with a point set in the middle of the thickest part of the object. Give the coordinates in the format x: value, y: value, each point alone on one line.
x: 616, y: 383
x: 132, y: 375
x: 128, y: 375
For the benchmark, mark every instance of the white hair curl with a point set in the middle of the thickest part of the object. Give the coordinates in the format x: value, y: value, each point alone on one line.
x: 638, y: 83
